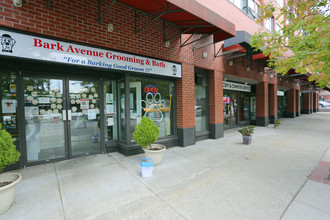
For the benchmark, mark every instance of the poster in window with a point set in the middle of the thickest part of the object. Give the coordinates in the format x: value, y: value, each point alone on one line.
x: 84, y: 103
x: 12, y: 88
x: 109, y: 97
x: 8, y: 106
x: 91, y: 114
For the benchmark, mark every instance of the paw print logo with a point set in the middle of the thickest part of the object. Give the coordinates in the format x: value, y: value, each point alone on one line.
x: 153, y: 106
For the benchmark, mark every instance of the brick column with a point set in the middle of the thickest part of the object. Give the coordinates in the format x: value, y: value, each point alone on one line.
x: 311, y: 104
x: 315, y: 103
x: 291, y: 107
x: 185, y: 103
x: 215, y: 104
x: 307, y: 103
x: 297, y: 103
x: 262, y: 104
x: 272, y: 103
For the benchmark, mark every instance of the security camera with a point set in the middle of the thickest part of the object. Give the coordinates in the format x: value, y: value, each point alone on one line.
x: 18, y: 3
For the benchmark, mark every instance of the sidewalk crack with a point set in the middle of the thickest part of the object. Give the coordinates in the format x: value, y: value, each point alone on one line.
x: 60, y: 192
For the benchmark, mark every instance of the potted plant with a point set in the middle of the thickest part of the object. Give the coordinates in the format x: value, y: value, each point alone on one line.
x: 8, y: 155
x: 277, y: 123
x: 145, y: 134
x: 247, y: 134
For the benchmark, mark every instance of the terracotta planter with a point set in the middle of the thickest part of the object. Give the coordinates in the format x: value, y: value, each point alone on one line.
x: 247, y: 139
x: 156, y: 155
x: 7, y: 193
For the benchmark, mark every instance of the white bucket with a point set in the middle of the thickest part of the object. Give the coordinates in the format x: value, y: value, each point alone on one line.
x: 147, y: 167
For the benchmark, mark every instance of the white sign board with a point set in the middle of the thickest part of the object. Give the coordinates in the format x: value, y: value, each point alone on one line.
x: 236, y: 86
x: 39, y: 48
x: 280, y: 93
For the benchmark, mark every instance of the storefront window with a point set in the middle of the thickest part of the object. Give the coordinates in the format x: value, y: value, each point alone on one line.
x: 110, y: 110
x: 281, y: 104
x: 244, y: 113
x: 201, y: 103
x: 9, y: 103
x: 226, y: 110
x: 122, y: 125
x: 153, y: 99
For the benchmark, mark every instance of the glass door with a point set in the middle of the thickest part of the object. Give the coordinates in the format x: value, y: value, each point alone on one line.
x: 62, y: 118
x: 83, y: 116
x: 234, y: 109
x: 44, y: 124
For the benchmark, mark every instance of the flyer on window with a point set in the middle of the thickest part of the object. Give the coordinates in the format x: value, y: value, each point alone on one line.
x: 8, y: 106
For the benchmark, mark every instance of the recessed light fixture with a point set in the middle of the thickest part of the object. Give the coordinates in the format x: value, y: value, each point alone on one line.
x: 231, y: 63
x: 248, y: 69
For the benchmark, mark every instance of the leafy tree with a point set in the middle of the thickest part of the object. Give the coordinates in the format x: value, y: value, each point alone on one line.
x: 303, y: 41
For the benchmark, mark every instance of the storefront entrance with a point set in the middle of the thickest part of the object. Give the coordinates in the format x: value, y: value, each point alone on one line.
x: 62, y: 117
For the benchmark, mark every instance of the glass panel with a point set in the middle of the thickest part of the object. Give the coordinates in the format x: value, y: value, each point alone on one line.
x: 44, y: 126
x: 253, y: 108
x: 122, y: 124
x: 84, y: 104
x: 201, y: 106
x: 110, y: 110
x: 234, y: 110
x: 244, y: 115
x: 9, y: 103
x: 226, y: 110
x: 153, y: 99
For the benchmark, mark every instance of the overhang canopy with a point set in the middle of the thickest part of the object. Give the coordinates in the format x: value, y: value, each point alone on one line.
x: 243, y: 39
x: 190, y: 16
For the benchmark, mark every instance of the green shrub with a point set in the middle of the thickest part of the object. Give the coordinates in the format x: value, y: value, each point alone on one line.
x: 247, y: 131
x: 8, y: 153
x: 277, y: 122
x: 145, y: 133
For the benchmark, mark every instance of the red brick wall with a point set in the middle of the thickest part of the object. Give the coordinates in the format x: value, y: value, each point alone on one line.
x: 262, y: 99
x: 215, y: 97
x: 273, y: 99
x: 77, y: 21
x: 291, y: 107
x: 298, y: 101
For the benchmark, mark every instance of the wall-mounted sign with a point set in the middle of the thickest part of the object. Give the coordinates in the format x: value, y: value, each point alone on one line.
x: 280, y: 93
x: 39, y: 48
x: 236, y: 86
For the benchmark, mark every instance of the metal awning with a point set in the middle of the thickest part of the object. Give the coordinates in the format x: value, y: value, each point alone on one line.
x: 242, y: 38
x: 190, y: 17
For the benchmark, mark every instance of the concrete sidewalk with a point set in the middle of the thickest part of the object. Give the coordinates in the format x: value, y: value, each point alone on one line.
x: 213, y: 179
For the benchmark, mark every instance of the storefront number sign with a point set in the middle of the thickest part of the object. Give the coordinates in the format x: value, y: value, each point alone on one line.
x: 39, y: 48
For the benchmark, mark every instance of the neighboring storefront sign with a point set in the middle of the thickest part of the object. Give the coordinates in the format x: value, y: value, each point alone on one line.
x: 236, y: 86
x: 280, y: 93
x: 39, y: 48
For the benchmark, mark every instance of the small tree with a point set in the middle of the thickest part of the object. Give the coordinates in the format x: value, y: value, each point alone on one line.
x: 8, y: 153
x: 247, y: 131
x: 145, y: 133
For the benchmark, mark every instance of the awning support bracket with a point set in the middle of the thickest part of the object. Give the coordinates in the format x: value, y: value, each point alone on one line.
x: 48, y: 3
x: 155, y: 17
x: 99, y: 16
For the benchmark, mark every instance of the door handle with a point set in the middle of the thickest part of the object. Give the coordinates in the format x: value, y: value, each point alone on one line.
x: 64, y: 115
x: 69, y: 115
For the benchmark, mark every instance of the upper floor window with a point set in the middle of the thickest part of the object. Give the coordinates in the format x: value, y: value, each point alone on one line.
x: 238, y: 3
x: 270, y: 24
x: 280, y: 2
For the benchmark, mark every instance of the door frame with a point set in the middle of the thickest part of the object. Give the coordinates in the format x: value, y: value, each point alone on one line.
x: 65, y: 77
